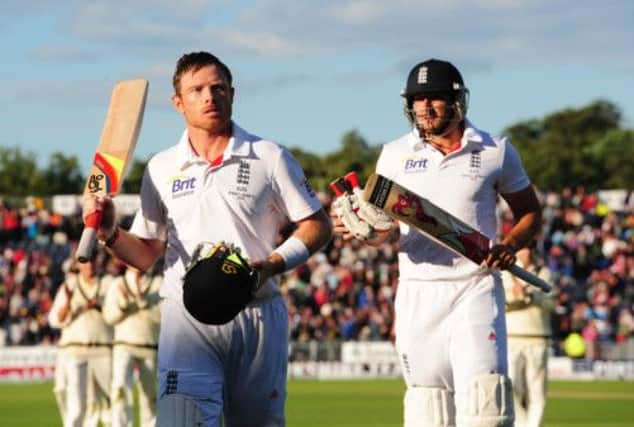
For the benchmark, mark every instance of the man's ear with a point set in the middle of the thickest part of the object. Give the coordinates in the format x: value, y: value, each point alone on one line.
x: 177, y: 102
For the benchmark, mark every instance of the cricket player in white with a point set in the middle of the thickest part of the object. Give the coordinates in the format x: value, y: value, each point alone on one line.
x: 59, y: 382
x: 449, y: 312
x: 86, y: 342
x: 219, y: 183
x: 132, y: 307
x: 529, y: 330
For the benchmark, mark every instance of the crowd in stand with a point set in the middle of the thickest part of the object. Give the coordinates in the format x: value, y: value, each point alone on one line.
x: 346, y: 291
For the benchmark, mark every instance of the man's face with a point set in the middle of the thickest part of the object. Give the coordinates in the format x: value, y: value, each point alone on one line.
x: 88, y: 269
x: 205, y: 99
x: 432, y: 112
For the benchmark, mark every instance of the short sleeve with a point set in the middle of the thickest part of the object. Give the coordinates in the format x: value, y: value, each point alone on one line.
x: 294, y: 194
x: 149, y: 221
x: 513, y: 177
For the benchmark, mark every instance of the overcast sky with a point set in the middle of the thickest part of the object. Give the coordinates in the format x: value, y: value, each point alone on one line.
x: 305, y: 71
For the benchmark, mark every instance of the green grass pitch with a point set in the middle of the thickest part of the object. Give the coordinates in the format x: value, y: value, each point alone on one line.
x: 363, y: 403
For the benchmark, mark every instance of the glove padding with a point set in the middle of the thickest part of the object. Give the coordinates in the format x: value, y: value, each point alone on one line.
x: 378, y: 220
x: 218, y: 284
x: 360, y: 218
x: 346, y: 207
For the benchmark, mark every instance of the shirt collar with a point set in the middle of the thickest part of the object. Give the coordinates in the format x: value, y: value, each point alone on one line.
x: 238, y: 147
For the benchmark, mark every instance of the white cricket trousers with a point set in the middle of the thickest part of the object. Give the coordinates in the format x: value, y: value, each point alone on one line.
x: 528, y: 369
x: 125, y: 359
x: 88, y: 388
x: 449, y: 333
x: 235, y: 372
x: 59, y: 385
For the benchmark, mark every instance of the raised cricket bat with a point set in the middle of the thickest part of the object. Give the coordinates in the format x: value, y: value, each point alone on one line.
x: 114, y: 153
x: 436, y: 223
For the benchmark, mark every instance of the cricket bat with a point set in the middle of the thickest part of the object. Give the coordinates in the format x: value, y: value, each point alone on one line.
x: 114, y: 153
x: 436, y: 223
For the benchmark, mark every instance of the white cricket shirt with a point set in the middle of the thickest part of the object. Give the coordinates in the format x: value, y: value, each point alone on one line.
x: 135, y: 316
x: 83, y: 329
x: 533, y: 319
x: 465, y: 183
x: 244, y: 200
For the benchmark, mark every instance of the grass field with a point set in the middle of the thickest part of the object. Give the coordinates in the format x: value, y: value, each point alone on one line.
x: 362, y: 403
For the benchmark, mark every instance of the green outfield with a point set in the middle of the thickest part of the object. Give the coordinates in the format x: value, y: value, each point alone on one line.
x: 363, y: 403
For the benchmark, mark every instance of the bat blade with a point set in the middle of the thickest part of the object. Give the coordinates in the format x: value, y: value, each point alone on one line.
x: 114, y: 152
x: 435, y: 223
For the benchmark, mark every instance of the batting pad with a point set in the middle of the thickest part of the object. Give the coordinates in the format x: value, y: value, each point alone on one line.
x: 176, y: 410
x: 489, y: 402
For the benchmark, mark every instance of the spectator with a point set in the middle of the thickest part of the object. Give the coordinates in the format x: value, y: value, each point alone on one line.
x: 588, y: 248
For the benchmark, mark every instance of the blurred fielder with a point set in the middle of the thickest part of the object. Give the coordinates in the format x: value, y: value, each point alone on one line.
x: 86, y: 346
x: 528, y: 326
x: 132, y: 307
x: 449, y: 312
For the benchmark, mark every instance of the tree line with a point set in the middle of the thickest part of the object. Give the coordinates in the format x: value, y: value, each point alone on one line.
x: 586, y: 146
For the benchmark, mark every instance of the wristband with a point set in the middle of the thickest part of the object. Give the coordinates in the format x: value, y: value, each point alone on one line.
x: 293, y: 251
x: 112, y: 239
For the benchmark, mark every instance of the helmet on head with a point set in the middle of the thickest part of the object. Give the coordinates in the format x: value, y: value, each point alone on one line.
x: 440, y: 78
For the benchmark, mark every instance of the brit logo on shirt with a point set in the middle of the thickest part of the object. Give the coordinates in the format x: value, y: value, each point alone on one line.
x: 415, y: 165
x: 182, y: 186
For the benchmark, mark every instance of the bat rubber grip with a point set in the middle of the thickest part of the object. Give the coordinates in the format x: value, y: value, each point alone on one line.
x: 86, y: 245
x: 93, y: 220
x: 530, y: 278
x: 88, y: 239
x: 353, y: 179
x: 335, y: 189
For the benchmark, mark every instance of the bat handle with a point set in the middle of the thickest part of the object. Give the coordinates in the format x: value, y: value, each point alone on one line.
x: 88, y: 239
x: 338, y: 186
x: 335, y: 189
x: 353, y: 179
x: 530, y: 278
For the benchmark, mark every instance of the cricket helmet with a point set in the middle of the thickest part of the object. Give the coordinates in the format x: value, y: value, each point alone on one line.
x: 438, y: 77
x: 218, y: 284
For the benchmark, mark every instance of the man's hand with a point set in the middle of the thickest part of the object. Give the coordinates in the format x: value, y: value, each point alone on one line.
x: 69, y: 292
x: 353, y: 216
x: 338, y: 227
x: 65, y: 309
x: 104, y: 205
x: 93, y: 303
x: 500, y: 256
x: 346, y: 208
x: 268, y: 268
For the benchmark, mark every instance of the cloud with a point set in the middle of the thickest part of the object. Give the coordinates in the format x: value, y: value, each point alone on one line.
x: 75, y: 92
x: 51, y: 52
x: 281, y: 81
x: 496, y: 32
x: 358, y: 12
x: 504, y: 32
x: 260, y: 43
x: 12, y: 8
